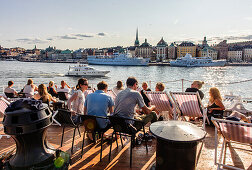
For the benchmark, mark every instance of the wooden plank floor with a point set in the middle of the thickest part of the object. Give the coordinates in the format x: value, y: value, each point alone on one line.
x: 120, y: 156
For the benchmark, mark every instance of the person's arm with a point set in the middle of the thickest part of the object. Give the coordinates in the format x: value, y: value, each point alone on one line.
x: 148, y: 110
x: 111, y: 110
x: 67, y: 85
x: 85, y: 110
x: 72, y: 98
x: 219, y: 103
x: 37, y: 96
x: 52, y: 99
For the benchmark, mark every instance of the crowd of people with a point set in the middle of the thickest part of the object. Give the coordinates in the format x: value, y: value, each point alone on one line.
x: 100, y: 103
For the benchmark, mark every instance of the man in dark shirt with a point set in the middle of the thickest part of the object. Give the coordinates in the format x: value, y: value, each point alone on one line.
x: 195, y: 86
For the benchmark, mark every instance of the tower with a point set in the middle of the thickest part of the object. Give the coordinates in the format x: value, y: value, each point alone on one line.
x: 137, y: 41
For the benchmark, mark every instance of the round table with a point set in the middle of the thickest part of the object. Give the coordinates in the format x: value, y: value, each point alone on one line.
x: 176, y: 144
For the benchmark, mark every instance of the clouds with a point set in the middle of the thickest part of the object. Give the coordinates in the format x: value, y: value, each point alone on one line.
x: 79, y: 36
x: 102, y: 34
x: 31, y: 41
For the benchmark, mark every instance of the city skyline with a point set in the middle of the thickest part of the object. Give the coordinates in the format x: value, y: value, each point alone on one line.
x: 97, y: 24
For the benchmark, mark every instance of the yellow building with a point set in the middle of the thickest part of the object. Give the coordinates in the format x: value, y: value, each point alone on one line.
x: 186, y: 47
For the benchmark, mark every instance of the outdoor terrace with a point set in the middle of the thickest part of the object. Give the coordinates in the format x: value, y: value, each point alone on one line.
x: 120, y: 157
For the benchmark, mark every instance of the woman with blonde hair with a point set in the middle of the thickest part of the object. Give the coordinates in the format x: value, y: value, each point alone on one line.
x: 195, y: 87
x: 29, y: 88
x: 51, y: 90
x: 215, y: 106
x: 43, y: 94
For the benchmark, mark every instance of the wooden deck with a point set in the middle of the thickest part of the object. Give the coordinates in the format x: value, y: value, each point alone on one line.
x: 120, y: 156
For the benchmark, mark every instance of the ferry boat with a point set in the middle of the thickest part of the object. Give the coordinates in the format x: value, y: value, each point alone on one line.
x: 189, y: 61
x: 122, y: 59
x: 85, y: 70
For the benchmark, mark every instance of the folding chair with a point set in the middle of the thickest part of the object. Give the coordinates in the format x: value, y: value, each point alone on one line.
x: 231, y: 131
x: 161, y: 100
x: 189, y: 104
x: 121, y: 127
x: 64, y: 117
x: 91, y: 126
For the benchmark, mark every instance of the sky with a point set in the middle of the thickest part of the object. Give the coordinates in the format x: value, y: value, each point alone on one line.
x: 74, y: 24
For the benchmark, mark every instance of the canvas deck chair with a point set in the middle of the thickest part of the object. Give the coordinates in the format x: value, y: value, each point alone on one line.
x: 234, y: 103
x: 231, y: 131
x: 112, y: 94
x: 161, y: 100
x: 189, y: 104
x: 3, y: 105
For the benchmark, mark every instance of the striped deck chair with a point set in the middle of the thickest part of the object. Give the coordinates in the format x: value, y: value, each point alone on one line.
x: 112, y: 94
x: 161, y: 100
x: 189, y: 104
x: 3, y: 105
x: 88, y: 91
x: 231, y: 131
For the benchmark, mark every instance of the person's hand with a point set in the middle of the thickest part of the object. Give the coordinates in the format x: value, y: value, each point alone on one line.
x: 210, y: 110
x: 73, y: 113
x: 56, y: 86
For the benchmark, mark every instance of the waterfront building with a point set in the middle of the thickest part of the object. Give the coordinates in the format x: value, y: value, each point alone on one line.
x: 234, y: 55
x: 247, y: 54
x: 79, y: 54
x: 162, y: 50
x: 222, y: 49
x: 243, y: 43
x: 63, y: 55
x: 172, y: 51
x: 145, y: 50
x: 208, y: 52
x: 186, y: 47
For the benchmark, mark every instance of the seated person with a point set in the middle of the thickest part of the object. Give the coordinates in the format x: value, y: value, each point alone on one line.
x: 237, y: 116
x: 64, y: 89
x: 118, y: 88
x: 29, y: 88
x: 145, y: 88
x: 76, y: 102
x: 127, y: 100
x: 43, y: 95
x: 195, y: 87
x: 99, y: 103
x: 215, y: 107
x: 9, y: 91
x: 51, y: 90
x: 160, y: 86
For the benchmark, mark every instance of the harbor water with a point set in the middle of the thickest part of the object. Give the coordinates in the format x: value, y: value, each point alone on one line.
x: 229, y: 79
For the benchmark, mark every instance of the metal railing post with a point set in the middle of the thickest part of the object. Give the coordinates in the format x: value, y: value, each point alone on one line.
x: 182, y: 84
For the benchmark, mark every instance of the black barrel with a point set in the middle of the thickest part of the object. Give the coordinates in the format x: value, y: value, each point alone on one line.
x: 176, y: 144
x: 26, y: 121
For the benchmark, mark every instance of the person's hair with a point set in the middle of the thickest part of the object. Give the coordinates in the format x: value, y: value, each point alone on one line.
x: 199, y: 83
x: 160, y: 86
x: 144, y: 83
x: 29, y: 82
x: 81, y: 81
x: 102, y: 85
x: 10, y: 83
x: 131, y: 81
x: 42, y: 90
x: 119, y: 85
x: 215, y: 94
x: 51, y: 83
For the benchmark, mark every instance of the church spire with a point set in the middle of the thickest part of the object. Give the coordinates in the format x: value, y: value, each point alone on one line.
x: 137, y: 41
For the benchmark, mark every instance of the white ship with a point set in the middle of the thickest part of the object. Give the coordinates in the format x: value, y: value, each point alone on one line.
x: 84, y: 70
x: 189, y: 61
x: 123, y: 59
